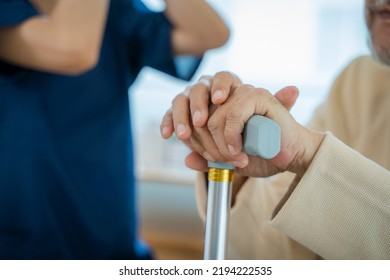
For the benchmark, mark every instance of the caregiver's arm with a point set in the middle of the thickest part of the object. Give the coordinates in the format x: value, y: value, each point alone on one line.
x: 65, y: 38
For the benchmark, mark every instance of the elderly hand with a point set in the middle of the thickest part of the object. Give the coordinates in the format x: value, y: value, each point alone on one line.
x: 214, y: 132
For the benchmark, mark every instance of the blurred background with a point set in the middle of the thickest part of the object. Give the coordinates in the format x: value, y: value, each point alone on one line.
x: 305, y: 43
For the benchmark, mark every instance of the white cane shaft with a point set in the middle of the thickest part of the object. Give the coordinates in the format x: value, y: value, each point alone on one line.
x: 217, y: 220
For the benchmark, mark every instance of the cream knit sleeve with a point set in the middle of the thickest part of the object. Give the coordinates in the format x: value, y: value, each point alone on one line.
x: 341, y: 207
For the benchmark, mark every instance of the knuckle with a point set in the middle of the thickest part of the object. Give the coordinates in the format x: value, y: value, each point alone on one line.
x: 224, y: 77
x: 223, y: 73
x: 233, y: 116
x: 243, y: 89
x: 233, y: 124
x: 179, y: 99
x: 200, y: 88
x: 204, y: 82
x: 205, y: 77
x: 213, y: 126
x: 230, y: 130
x: 262, y: 92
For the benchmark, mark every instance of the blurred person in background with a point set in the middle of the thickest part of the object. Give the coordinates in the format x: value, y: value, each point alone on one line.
x: 67, y: 186
x: 327, y: 193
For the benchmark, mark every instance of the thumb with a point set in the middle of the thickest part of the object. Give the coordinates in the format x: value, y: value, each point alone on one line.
x: 287, y: 96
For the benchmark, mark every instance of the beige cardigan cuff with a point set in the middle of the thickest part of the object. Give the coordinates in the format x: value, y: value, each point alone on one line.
x: 341, y: 207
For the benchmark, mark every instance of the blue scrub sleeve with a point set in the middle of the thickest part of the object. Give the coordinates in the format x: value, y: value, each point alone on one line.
x: 155, y: 48
x: 13, y: 12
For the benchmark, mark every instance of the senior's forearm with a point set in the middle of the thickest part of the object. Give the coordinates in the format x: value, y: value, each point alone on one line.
x: 197, y: 26
x: 66, y: 40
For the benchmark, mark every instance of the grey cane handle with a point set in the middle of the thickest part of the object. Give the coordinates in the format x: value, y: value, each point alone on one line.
x: 261, y: 137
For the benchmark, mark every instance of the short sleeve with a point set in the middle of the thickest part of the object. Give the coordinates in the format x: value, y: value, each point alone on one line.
x: 13, y: 12
x: 154, y: 47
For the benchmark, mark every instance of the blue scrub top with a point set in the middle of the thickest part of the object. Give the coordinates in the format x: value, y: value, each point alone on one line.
x: 66, y: 159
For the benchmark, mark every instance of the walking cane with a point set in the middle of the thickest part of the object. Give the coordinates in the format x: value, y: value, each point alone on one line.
x: 261, y: 137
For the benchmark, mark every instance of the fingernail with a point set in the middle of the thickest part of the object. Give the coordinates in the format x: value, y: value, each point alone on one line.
x: 232, y: 150
x: 217, y: 94
x: 180, y: 129
x: 196, y: 117
x: 165, y: 130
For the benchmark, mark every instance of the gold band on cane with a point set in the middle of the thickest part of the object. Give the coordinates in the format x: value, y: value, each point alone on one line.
x: 220, y: 175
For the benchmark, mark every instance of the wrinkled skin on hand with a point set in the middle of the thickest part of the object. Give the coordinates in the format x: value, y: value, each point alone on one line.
x: 215, y: 134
